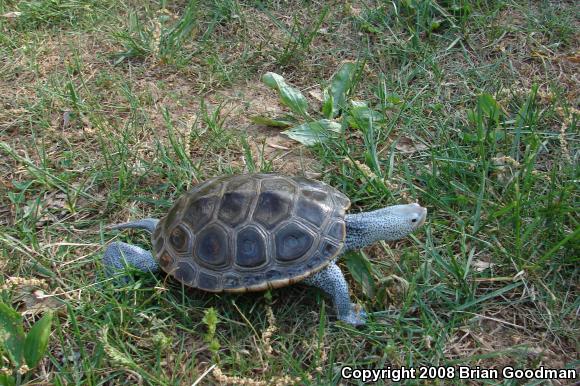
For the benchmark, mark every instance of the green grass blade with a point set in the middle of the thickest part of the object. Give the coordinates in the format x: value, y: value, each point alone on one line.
x: 488, y: 296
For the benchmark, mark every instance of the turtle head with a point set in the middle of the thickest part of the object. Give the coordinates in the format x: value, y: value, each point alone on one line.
x: 397, y: 221
x: 390, y: 223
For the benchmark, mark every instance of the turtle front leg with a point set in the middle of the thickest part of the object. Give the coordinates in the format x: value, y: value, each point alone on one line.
x: 332, y: 281
x: 119, y: 255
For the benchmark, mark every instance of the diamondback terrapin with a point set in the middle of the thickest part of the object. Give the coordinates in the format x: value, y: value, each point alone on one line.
x: 257, y: 231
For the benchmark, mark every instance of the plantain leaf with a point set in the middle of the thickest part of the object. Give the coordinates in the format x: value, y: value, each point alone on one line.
x: 314, y: 132
x: 340, y: 86
x: 37, y: 340
x: 11, y: 333
x: 361, y: 117
x: 327, y: 104
x: 274, y: 122
x: 291, y: 96
x: 360, y: 269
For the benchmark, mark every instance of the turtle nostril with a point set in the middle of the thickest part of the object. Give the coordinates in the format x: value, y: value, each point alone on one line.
x: 414, y: 220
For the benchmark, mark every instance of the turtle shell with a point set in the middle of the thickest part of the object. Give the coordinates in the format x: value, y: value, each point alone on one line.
x: 251, y: 232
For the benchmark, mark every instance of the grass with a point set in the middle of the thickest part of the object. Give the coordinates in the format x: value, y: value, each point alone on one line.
x: 109, y: 111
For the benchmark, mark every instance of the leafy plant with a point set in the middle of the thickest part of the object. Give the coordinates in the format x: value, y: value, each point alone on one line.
x: 361, y: 270
x: 430, y: 16
x: 161, y: 40
x: 337, y: 111
x: 210, y: 320
x: 23, y: 350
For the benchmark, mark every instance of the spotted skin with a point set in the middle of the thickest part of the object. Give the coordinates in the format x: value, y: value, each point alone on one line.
x: 118, y: 255
x: 390, y: 223
x: 332, y: 282
x: 149, y: 224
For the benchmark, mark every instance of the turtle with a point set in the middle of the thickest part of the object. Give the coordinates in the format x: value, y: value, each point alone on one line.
x: 252, y: 232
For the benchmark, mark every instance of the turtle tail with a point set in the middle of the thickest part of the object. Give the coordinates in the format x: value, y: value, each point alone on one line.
x: 149, y: 224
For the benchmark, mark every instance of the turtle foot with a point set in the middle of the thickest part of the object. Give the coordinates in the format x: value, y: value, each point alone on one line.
x: 119, y: 255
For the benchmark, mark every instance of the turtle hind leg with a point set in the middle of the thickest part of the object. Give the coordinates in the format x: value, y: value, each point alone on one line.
x: 119, y: 255
x: 332, y: 281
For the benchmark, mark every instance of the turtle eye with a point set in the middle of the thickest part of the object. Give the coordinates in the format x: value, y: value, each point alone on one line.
x: 414, y: 220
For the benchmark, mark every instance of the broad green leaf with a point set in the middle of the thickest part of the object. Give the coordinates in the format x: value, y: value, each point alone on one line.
x: 291, y: 96
x: 274, y: 122
x: 391, y: 100
x: 327, y: 104
x: 315, y: 132
x: 361, y: 117
x: 37, y: 340
x: 11, y: 333
x: 358, y: 104
x: 361, y: 270
x: 489, y: 106
x: 339, y: 87
x: 6, y: 380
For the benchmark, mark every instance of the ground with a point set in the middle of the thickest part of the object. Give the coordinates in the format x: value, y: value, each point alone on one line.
x: 110, y: 110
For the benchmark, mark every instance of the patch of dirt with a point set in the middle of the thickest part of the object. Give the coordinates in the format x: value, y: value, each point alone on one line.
x: 533, y: 56
x: 247, y: 100
x: 267, y: 143
x: 516, y: 333
x: 237, y: 104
